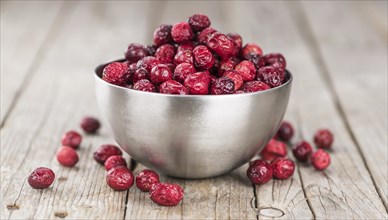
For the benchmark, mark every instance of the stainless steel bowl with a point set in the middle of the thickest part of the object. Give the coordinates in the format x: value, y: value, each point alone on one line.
x: 191, y: 136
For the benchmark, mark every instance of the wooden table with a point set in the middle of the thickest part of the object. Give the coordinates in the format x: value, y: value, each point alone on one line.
x: 337, y: 52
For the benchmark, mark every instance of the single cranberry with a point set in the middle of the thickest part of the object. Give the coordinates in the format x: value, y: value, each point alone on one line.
x: 271, y: 75
x: 246, y: 69
x: 160, y: 73
x: 90, y: 125
x: 205, y: 35
x: 135, y: 52
x: 114, y: 161
x: 223, y: 85
x: 198, y: 22
x: 41, y: 178
x: 182, y: 71
x: 146, y: 179
x: 222, y: 45
x: 226, y: 65
x: 162, y: 35
x: 237, y: 78
x: 165, y: 53
x: 323, y: 138
x: 186, y: 46
x: 144, y: 85
x: 116, y: 73
x: 254, y: 86
x: 285, y: 131
x: 239, y: 92
x: 147, y: 63
x: 173, y: 87
x: 185, y: 56
x: 71, y: 139
x: 257, y: 60
x: 273, y: 150
x: 182, y: 32
x: 259, y: 172
x: 120, y: 178
x: 151, y: 49
x: 105, y: 151
x: 203, y: 58
x: 320, y: 159
x: 237, y: 40
x: 273, y: 58
x: 283, y: 168
x: 302, y: 151
x: 140, y: 74
x: 67, y: 156
x: 251, y: 48
x: 166, y: 194
x: 198, y: 83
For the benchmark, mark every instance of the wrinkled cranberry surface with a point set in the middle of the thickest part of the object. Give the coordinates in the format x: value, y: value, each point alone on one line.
x: 237, y: 40
x: 246, y: 69
x: 205, y: 35
x: 198, y: 83
x: 184, y: 56
x: 114, y: 161
x: 140, y: 74
x: 41, y: 178
x: 271, y: 75
x: 116, y: 73
x: 186, y: 46
x: 259, y: 172
x: 323, y: 138
x: 166, y: 194
x: 146, y: 179
x: 105, y: 151
x: 120, y: 178
x: 71, y: 139
x: 67, y: 156
x: 285, y: 131
x: 162, y: 35
x: 237, y: 78
x: 144, y: 85
x: 165, y: 53
x: 222, y: 45
x: 203, y: 58
x: 90, y: 125
x: 283, y: 168
x: 160, y: 73
x: 226, y: 65
x: 250, y: 49
x: 272, y: 58
x: 173, y: 87
x: 302, y: 151
x: 199, y: 22
x: 320, y: 159
x: 182, y: 32
x: 147, y: 63
x: 135, y: 52
x: 254, y: 86
x: 223, y: 85
x: 273, y: 150
x: 182, y: 71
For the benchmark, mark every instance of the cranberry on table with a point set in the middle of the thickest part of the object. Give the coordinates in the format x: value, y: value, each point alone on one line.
x: 140, y: 74
x: 151, y: 49
x: 273, y: 150
x: 160, y: 73
x: 320, y: 159
x: 105, y: 151
x: 222, y: 45
x: 144, y: 85
x: 246, y: 69
x: 147, y: 63
x: 205, y: 35
x: 302, y: 151
x: 173, y: 87
x: 182, y: 32
x: 250, y: 49
x: 237, y: 78
x: 165, y: 53
x: 223, y: 85
x: 90, y: 125
x: 162, y: 35
x: 184, y: 56
x: 71, y: 139
x: 203, y: 58
x: 120, y: 178
x: 259, y: 172
x: 254, y: 86
x: 285, y: 131
x: 166, y: 194
x: 146, y: 179
x: 198, y: 83
x: 283, y: 168
x: 114, y: 161
x: 228, y: 64
x: 198, y: 22
x: 182, y: 71
x: 116, y: 73
x: 135, y: 52
x: 271, y: 75
x: 323, y: 138
x: 67, y: 156
x: 41, y: 178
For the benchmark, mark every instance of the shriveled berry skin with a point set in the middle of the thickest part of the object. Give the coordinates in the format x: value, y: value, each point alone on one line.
x: 114, y: 161
x: 160, y: 73
x: 166, y: 194
x: 198, y: 83
x: 222, y: 45
x: 151, y: 49
x: 271, y: 75
x: 228, y: 64
x: 247, y: 70
x: 302, y: 151
x: 71, y: 139
x: 135, y: 52
x: 254, y: 86
x: 273, y: 58
x: 223, y: 85
x: 250, y: 49
x: 323, y: 138
x: 146, y: 179
x: 41, y: 178
x: 147, y: 63
x: 144, y: 85
x: 182, y: 32
x: 173, y: 87
x: 320, y: 159
x: 203, y: 58
x: 198, y: 22
x: 120, y: 178
x: 186, y: 46
x: 162, y: 35
x: 90, y: 125
x: 257, y: 60
x: 237, y: 40
x: 273, y: 150
x: 140, y: 74
x: 67, y: 156
x: 205, y: 35
x: 237, y: 78
x: 184, y: 56
x: 259, y: 172
x: 105, y: 151
x: 165, y: 53
x: 182, y: 71
x: 285, y: 131
x: 282, y: 168
x: 116, y: 73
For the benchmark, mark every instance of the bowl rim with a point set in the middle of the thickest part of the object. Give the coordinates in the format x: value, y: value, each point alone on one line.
x: 101, y: 66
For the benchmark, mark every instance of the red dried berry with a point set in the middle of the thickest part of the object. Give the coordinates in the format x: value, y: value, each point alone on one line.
x: 151, y: 50
x: 198, y: 22
x: 205, y: 35
x: 323, y: 138
x: 185, y: 56
x: 166, y: 194
x: 146, y: 179
x: 222, y: 45
x: 198, y: 83
x: 135, y: 52
x: 165, y: 53
x: 105, y: 151
x: 182, y: 71
x: 120, y: 178
x: 237, y: 78
x: 160, y: 73
x: 272, y: 58
x: 171, y: 66
x: 139, y: 75
x: 182, y: 32
x: 273, y: 150
x: 223, y: 85
x: 71, y: 139
x: 147, y: 63
x: 320, y: 159
x: 250, y: 49
x: 67, y: 156
x: 254, y: 86
x: 90, y: 125
x: 285, y: 131
x: 116, y: 73
x: 283, y: 168
x: 162, y: 35
x: 203, y: 58
x: 246, y: 69
x: 257, y: 60
x: 237, y: 40
x: 302, y: 151
x: 144, y: 85
x: 271, y: 75
x: 114, y: 161
x: 173, y: 87
x: 186, y: 46
x: 41, y: 178
x: 259, y: 172
x: 226, y: 65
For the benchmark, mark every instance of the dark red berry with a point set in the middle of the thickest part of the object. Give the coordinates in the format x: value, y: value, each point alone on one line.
x: 173, y: 87
x: 271, y: 75
x: 165, y: 53
x: 320, y: 159
x: 120, y: 178
x: 302, y: 151
x: 67, y: 156
x: 140, y: 74
x: 135, y: 52
x: 213, y: 78
x: 166, y: 194
x: 41, y: 178
x: 116, y: 73
x: 285, y: 131
x: 182, y: 71
x: 71, y: 139
x: 198, y: 83
x: 250, y: 49
x: 259, y: 172
x: 105, y: 151
x: 182, y: 32
x: 147, y: 63
x: 151, y: 50
x: 237, y: 78
x: 185, y: 56
x: 90, y: 125
x: 222, y: 45
x: 247, y: 70
x: 283, y: 168
x: 146, y: 179
x: 203, y: 58
x: 144, y: 85
x: 160, y: 73
x: 237, y: 40
x: 205, y: 35
x: 171, y: 66
x: 198, y: 22
x: 162, y: 35
x: 223, y: 85
x: 257, y: 60
x: 186, y: 46
x: 254, y: 86
x: 273, y: 150
x: 226, y: 65
x: 114, y: 161
x: 273, y: 58
x: 323, y: 138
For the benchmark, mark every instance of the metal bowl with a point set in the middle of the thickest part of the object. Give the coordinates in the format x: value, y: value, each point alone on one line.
x: 191, y: 136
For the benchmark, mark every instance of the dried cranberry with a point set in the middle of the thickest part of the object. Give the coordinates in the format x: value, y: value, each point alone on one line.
x: 226, y: 65
x: 254, y: 86
x: 198, y: 22
x: 116, y: 73
x: 323, y: 138
x: 160, y: 73
x: 237, y: 40
x: 140, y: 74
x: 71, y: 139
x: 203, y: 58
x: 135, y: 52
x: 151, y: 50
x: 185, y: 56
x: 67, y: 156
x: 237, y: 78
x: 162, y: 35
x: 198, y: 83
x: 285, y: 131
x: 223, y: 85
x: 182, y: 32
x: 320, y: 159
x: 147, y: 63
x: 171, y: 66
x: 246, y: 69
x: 165, y: 53
x: 90, y: 125
x: 166, y: 194
x: 114, y: 161
x: 173, y: 87
x: 270, y: 75
x: 182, y: 71
x: 146, y: 179
x: 205, y: 35
x: 259, y: 172
x: 186, y: 46
x: 250, y: 49
x: 222, y: 45
x: 273, y: 150
x: 283, y: 168
x: 273, y: 58
x: 302, y: 151
x: 41, y: 178
x: 257, y: 60
x: 144, y: 85
x: 105, y: 151
x: 120, y: 178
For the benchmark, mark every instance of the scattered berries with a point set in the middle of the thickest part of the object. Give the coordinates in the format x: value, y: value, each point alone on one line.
x: 120, y: 178
x: 67, y: 156
x: 105, y: 151
x: 273, y: 150
x: 302, y: 151
x: 285, y: 131
x: 114, y: 161
x: 323, y: 138
x: 283, y: 168
x: 166, y: 194
x: 259, y: 172
x: 71, y: 139
x: 90, y: 125
x: 146, y: 179
x: 320, y: 159
x: 41, y: 178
